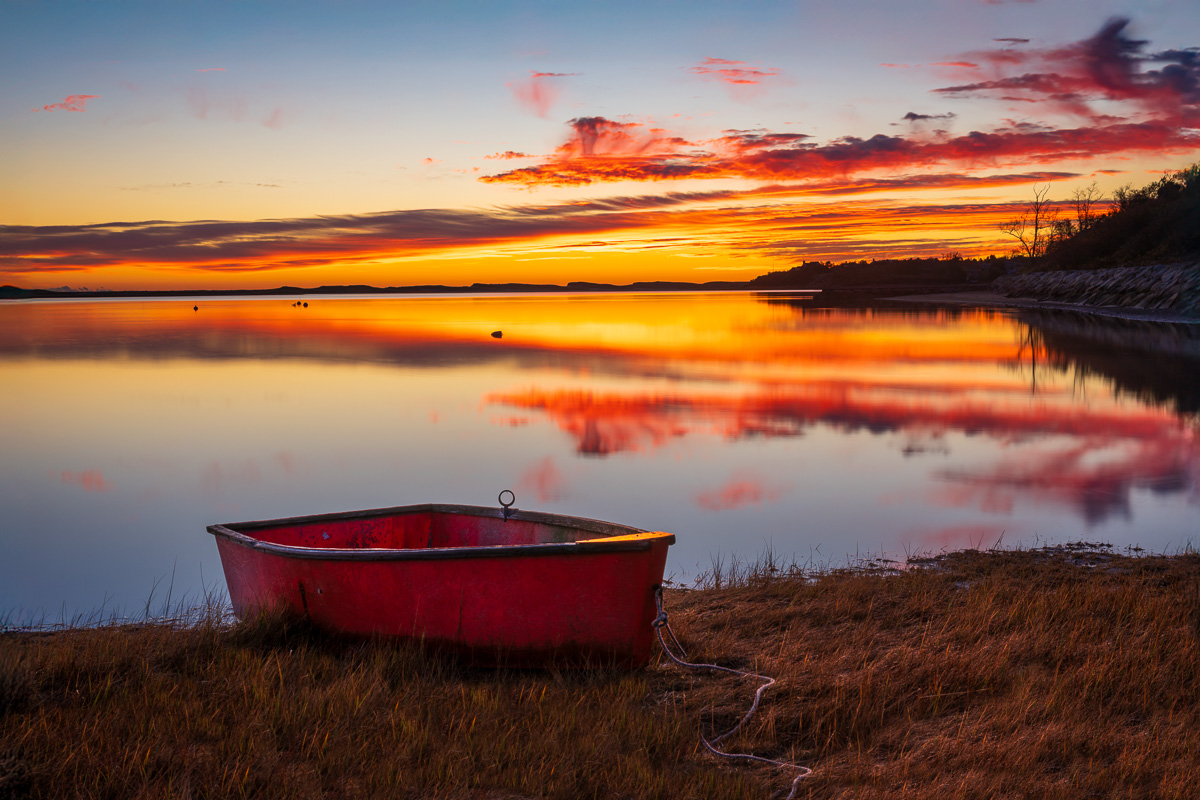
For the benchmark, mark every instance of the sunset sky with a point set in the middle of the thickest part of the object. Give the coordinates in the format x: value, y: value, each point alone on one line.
x: 244, y: 145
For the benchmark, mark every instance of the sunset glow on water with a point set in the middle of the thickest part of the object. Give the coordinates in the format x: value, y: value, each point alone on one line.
x: 739, y: 422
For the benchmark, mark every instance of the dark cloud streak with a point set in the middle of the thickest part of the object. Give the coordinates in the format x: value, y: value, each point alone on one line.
x: 231, y: 246
x: 1109, y: 65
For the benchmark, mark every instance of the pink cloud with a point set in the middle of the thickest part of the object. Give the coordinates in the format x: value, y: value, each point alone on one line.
x: 742, y: 489
x: 738, y: 73
x: 953, y: 537
x: 599, y: 136
x: 598, y: 149
x: 91, y: 480
x: 211, y: 69
x: 217, y: 478
x: 540, y: 91
x: 1069, y: 79
x: 545, y: 479
x: 1074, y: 476
x: 610, y: 423
x: 1111, y: 66
x: 288, y: 462
x: 72, y: 102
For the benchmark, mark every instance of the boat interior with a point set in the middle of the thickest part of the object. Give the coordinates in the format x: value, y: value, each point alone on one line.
x: 427, y: 529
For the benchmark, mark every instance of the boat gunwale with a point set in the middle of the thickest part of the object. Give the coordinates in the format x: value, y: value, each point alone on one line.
x: 233, y: 532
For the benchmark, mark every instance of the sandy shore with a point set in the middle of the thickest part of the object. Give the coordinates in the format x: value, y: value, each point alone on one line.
x: 992, y: 300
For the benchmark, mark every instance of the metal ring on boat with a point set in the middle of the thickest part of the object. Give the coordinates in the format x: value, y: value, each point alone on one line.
x: 506, y: 506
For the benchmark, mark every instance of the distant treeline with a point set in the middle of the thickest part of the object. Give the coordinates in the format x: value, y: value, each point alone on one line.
x: 1156, y: 224
x: 915, y: 273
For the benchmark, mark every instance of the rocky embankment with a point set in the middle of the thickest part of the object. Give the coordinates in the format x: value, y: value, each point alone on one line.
x: 1174, y: 288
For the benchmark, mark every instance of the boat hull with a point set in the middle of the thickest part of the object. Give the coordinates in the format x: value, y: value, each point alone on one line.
x: 529, y: 589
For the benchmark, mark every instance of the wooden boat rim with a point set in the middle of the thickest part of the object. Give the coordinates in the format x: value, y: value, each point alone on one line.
x: 624, y: 538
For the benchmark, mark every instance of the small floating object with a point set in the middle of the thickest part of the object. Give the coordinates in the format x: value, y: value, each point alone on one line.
x: 195, y: 308
x: 306, y: 305
x: 495, y: 585
x: 497, y: 334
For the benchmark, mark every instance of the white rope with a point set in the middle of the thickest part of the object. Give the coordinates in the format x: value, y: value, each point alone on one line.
x: 661, y: 622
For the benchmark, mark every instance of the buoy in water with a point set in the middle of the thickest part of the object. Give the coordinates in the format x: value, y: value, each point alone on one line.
x: 497, y: 334
x: 195, y: 308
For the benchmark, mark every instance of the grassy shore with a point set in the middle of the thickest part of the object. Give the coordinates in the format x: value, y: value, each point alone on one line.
x: 1060, y: 673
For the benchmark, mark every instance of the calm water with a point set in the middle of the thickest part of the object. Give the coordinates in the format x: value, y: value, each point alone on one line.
x: 739, y: 422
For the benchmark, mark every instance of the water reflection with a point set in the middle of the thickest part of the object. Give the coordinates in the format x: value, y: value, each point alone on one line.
x: 1155, y: 363
x: 1086, y: 458
x: 734, y: 421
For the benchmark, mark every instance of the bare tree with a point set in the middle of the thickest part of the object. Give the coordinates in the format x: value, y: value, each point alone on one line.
x: 1034, y: 229
x: 1086, y: 199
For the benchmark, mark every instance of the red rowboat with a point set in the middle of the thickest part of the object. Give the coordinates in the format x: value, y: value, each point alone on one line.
x: 500, y: 586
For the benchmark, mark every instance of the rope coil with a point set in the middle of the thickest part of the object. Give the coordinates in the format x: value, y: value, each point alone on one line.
x: 661, y: 622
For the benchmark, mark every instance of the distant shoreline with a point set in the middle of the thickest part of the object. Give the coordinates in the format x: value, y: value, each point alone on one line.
x: 955, y: 295
x: 837, y: 295
x: 17, y: 293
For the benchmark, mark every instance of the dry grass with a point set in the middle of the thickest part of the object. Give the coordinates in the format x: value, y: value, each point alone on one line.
x: 1012, y: 674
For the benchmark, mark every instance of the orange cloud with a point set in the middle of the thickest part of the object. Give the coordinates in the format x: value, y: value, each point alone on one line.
x: 602, y: 150
x: 715, y: 220
x: 508, y: 155
x: 72, y: 102
x: 1110, y: 67
x: 844, y: 231
x: 599, y: 136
